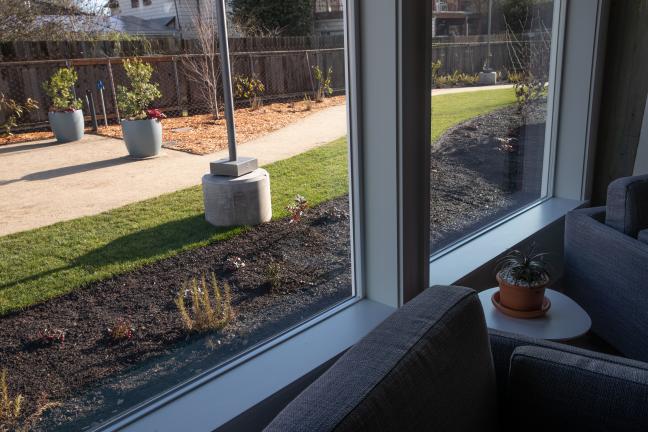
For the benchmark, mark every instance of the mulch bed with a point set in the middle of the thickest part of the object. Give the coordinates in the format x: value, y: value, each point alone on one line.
x: 479, y: 172
x: 202, y: 134
x: 94, y: 377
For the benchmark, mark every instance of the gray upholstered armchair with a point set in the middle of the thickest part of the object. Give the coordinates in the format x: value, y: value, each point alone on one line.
x: 429, y: 367
x: 606, y: 265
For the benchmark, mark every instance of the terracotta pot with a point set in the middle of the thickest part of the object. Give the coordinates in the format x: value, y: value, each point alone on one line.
x: 521, y: 298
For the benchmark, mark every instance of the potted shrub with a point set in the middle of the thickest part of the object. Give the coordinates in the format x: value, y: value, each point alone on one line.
x: 522, y: 279
x: 65, y: 115
x: 141, y: 126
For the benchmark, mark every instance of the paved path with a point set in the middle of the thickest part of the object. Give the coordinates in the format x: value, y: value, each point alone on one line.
x: 42, y: 182
x: 438, y: 92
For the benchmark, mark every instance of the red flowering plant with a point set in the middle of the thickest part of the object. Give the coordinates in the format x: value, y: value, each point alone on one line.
x: 155, y: 113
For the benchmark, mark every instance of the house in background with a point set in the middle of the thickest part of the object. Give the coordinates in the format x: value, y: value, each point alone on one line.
x: 177, y: 15
x: 329, y: 17
x: 455, y: 18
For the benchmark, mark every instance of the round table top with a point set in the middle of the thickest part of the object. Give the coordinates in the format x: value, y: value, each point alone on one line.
x: 564, y: 320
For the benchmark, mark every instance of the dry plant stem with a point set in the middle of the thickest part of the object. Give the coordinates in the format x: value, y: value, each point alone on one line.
x: 206, y: 313
x: 10, y: 407
x: 201, y: 68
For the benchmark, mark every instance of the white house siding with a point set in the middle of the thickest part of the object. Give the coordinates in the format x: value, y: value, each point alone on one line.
x: 157, y: 9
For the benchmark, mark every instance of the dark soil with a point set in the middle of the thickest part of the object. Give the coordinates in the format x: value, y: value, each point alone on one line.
x: 95, y: 377
x: 483, y: 169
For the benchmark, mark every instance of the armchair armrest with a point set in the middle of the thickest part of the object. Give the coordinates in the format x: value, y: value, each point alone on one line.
x: 577, y: 390
x: 606, y: 272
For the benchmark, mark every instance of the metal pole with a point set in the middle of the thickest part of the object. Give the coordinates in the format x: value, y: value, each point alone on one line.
x: 103, y: 107
x: 112, y: 88
x: 93, y: 112
x: 227, y: 79
x: 490, y: 12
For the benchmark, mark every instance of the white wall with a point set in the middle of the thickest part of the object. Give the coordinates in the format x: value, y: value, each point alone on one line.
x: 157, y: 9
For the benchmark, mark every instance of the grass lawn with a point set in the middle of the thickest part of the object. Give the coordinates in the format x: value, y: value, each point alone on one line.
x: 46, y: 262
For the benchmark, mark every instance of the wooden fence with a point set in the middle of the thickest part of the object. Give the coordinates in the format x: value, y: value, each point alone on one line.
x: 285, y: 74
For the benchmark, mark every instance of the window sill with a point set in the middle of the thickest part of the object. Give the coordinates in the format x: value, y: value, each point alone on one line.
x: 215, y: 399
x: 451, y: 265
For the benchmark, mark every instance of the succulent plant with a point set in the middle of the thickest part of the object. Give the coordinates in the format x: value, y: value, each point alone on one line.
x: 528, y: 268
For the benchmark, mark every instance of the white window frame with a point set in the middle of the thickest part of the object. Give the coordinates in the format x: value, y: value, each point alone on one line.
x: 573, y: 104
x: 390, y: 264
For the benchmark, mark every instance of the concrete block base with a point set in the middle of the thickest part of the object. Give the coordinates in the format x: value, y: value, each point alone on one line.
x: 236, y: 168
x: 488, y: 78
x: 231, y: 201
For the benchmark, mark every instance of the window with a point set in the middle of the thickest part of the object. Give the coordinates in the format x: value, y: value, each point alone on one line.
x: 490, y: 117
x: 102, y: 313
x: 147, y: 2
x: 134, y: 4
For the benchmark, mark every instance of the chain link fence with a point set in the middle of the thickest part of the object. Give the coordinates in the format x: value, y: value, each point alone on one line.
x: 286, y: 75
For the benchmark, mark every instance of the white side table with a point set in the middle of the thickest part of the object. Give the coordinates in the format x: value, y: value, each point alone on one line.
x: 564, y: 320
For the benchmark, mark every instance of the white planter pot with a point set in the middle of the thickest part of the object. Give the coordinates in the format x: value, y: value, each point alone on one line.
x: 143, y: 138
x: 67, y: 125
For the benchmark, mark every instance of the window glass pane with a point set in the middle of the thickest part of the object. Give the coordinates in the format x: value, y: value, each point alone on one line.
x: 489, y: 112
x: 113, y: 286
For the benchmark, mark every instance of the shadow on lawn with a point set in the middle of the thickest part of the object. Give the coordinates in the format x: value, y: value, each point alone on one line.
x: 136, y: 247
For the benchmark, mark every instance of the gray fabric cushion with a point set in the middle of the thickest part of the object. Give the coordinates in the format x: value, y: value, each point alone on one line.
x: 606, y: 272
x: 551, y: 389
x: 427, y: 367
x: 643, y: 236
x: 627, y: 204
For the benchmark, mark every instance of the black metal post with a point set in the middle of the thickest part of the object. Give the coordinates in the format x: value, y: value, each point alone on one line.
x: 93, y: 112
x: 227, y: 78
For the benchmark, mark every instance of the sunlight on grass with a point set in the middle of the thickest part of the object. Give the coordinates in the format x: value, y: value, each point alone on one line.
x: 451, y: 109
x: 46, y: 262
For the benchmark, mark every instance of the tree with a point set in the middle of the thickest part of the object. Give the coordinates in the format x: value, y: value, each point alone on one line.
x: 201, y: 68
x: 289, y: 17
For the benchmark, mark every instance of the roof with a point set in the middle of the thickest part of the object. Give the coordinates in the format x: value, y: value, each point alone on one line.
x: 112, y: 24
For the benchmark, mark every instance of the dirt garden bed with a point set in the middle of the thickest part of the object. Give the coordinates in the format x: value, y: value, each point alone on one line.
x: 483, y: 169
x: 202, y: 134
x: 311, y: 258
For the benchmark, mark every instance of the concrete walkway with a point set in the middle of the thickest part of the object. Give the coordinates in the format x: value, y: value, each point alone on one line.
x: 42, y: 182
x: 438, y: 92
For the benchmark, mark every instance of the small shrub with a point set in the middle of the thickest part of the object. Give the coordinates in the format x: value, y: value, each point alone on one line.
x: 273, y: 276
x: 10, y: 406
x: 323, y: 83
x: 248, y: 88
x: 122, y: 330
x: 208, y: 311
x: 515, y: 77
x: 60, y: 90
x: 234, y: 263
x: 50, y: 335
x: 134, y: 101
x: 12, y: 111
x: 456, y: 79
x: 435, y: 70
x: 308, y: 103
x: 297, y: 208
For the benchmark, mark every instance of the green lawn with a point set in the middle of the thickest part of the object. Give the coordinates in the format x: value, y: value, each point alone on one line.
x: 43, y: 263
x: 451, y: 109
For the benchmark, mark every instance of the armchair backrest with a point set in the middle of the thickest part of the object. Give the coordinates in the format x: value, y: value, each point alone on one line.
x: 427, y: 367
x: 627, y: 205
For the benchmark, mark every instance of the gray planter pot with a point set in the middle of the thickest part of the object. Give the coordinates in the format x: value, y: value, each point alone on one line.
x: 143, y: 138
x: 67, y: 126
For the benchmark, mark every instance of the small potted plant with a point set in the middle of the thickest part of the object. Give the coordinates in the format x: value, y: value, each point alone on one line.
x: 141, y: 126
x: 65, y: 115
x: 522, y: 279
